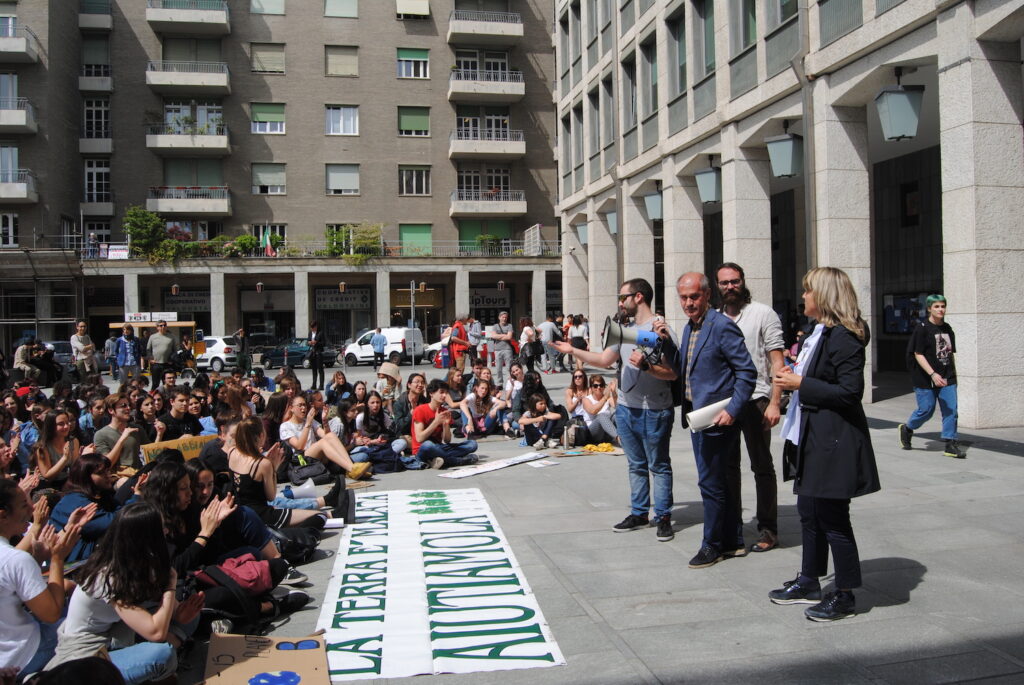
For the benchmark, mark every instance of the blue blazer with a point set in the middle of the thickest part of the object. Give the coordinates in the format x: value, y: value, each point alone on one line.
x: 720, y: 367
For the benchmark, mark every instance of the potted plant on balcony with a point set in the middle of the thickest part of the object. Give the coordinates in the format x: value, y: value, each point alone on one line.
x: 242, y: 246
x: 489, y: 244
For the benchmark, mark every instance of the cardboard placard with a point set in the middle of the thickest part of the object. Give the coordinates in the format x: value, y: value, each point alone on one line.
x: 190, y: 447
x: 259, y: 660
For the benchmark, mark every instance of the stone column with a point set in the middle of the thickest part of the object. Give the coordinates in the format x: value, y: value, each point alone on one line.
x: 218, y: 310
x: 604, y: 275
x: 382, y: 299
x: 576, y: 262
x: 980, y: 103
x: 461, y: 292
x: 44, y: 310
x: 843, y: 227
x: 684, y: 241
x: 301, y: 303
x: 746, y: 213
x: 539, y: 295
x: 637, y: 240
x: 131, y: 292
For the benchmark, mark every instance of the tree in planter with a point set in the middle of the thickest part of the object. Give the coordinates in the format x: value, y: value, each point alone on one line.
x: 488, y: 243
x: 145, y: 231
x: 355, y: 243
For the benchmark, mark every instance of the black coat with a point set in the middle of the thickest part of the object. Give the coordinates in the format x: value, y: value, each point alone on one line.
x: 834, y: 459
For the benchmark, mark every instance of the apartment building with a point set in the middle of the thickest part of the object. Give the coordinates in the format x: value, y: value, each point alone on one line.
x: 879, y: 136
x: 426, y: 123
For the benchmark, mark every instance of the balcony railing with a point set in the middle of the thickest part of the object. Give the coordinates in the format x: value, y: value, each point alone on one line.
x: 473, y: 15
x: 18, y: 176
x: 188, y: 67
x: 98, y: 196
x: 93, y: 132
x: 215, y: 5
x: 189, y: 193
x: 488, y: 195
x: 492, y: 75
x: 94, y: 7
x: 16, y: 31
x: 17, y: 103
x: 95, y: 70
x: 172, y: 129
x: 489, y: 134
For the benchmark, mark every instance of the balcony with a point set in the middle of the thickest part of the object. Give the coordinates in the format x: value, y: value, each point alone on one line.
x: 18, y: 45
x: 18, y: 187
x: 484, y: 29
x: 188, y: 78
x: 486, y: 86
x: 202, y: 201
x: 191, y: 17
x: 17, y: 116
x: 474, y: 143
x: 188, y: 140
x: 487, y: 203
x: 97, y: 204
x: 96, y: 140
x: 94, y: 15
x: 95, y: 78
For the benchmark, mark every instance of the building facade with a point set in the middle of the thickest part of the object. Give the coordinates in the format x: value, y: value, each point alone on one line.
x: 762, y: 132
x: 364, y: 145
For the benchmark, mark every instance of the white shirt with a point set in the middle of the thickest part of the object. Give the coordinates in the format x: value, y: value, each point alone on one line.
x: 606, y: 408
x: 291, y: 430
x: 762, y: 332
x: 791, y: 426
x: 20, y: 581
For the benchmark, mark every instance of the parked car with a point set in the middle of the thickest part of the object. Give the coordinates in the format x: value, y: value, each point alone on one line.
x: 258, y: 342
x: 61, y: 352
x: 293, y: 353
x: 221, y: 352
x: 403, y: 343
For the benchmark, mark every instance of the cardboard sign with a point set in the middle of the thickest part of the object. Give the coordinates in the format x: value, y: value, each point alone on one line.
x: 190, y: 447
x: 259, y: 660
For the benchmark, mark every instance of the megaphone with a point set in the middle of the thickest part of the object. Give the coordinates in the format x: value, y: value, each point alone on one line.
x: 304, y: 491
x: 616, y: 334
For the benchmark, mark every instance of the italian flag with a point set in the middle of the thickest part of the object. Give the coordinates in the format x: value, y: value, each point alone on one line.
x: 268, y: 249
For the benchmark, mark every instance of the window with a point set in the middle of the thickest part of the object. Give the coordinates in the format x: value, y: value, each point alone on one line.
x: 415, y: 239
x: 577, y: 136
x: 649, y: 55
x: 342, y: 120
x: 341, y: 60
x: 677, y: 54
x: 268, y: 179
x: 742, y: 25
x: 266, y: 7
x: 267, y: 58
x: 101, y: 229
x: 413, y: 63
x: 204, y: 173
x: 414, y: 180
x: 189, y: 116
x: 594, y: 134
x: 97, y: 180
x: 498, y: 179
x: 198, y: 229
x: 607, y: 95
x: 342, y: 179
x: 8, y: 230
x: 414, y: 121
x: 280, y: 230
x: 341, y: 8
x: 704, y: 36
x: 267, y: 117
x: 575, y: 36
x: 96, y: 118
x: 629, y: 113
x: 191, y: 49
x: 95, y: 55
x: 468, y: 179
x: 778, y: 12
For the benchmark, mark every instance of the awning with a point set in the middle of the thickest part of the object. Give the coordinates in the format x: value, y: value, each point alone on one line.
x: 421, y: 7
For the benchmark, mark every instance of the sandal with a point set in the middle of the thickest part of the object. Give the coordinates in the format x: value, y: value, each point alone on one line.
x: 767, y: 541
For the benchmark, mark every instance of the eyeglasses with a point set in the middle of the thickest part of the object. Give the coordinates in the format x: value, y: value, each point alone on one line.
x: 577, y: 377
x: 624, y: 297
x: 597, y: 385
x: 734, y: 281
x: 123, y: 406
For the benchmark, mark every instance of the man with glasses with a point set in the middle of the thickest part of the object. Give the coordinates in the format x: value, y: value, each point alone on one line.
x: 644, y: 414
x: 120, y: 441
x: 159, y: 350
x: 762, y: 332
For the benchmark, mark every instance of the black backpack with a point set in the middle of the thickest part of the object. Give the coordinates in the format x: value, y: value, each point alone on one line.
x: 297, y: 545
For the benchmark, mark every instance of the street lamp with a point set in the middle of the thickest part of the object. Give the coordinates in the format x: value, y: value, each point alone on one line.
x: 709, y: 183
x: 341, y: 287
x: 899, y: 109
x: 259, y: 287
x: 786, y: 153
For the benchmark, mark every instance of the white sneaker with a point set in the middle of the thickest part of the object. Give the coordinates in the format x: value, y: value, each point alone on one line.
x: 552, y: 443
x: 539, y: 445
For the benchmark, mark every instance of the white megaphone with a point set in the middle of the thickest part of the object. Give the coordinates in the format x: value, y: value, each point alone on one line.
x: 304, y: 491
x: 616, y: 334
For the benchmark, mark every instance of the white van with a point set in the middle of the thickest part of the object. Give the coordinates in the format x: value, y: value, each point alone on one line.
x: 403, y: 343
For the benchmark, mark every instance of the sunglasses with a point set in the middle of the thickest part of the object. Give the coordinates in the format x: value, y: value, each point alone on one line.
x: 597, y: 385
x: 623, y: 298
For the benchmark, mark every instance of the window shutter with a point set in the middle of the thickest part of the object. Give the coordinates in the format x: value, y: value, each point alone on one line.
x: 178, y: 172
x: 342, y: 60
x: 341, y: 8
x: 414, y: 118
x: 209, y: 172
x: 266, y: 111
x: 95, y: 51
x: 268, y: 57
x: 268, y: 174
x: 413, y: 53
x: 343, y: 177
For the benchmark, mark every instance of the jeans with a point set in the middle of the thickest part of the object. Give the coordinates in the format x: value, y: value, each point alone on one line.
x: 723, y: 529
x: 112, y: 363
x: 47, y: 644
x: 926, y: 398
x: 489, y: 423
x: 502, y: 364
x: 538, y: 431
x: 553, y: 357
x: 826, y: 525
x: 282, y: 502
x: 645, y: 434
x: 758, y: 441
x: 363, y: 453
x: 454, y: 453
x: 145, y: 661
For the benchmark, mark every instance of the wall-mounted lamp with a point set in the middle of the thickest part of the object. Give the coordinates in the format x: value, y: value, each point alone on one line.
x: 259, y: 287
x: 899, y: 109
x: 501, y: 285
x: 341, y: 287
x: 175, y: 289
x: 652, y: 203
x: 786, y: 153
x: 709, y: 182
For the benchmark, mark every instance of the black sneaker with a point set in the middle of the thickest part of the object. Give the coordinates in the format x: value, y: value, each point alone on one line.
x: 331, y: 498
x: 834, y: 606
x: 293, y: 601
x: 294, y: 577
x: 954, y: 450
x: 905, y: 436
x: 707, y: 556
x: 665, y: 532
x: 631, y: 522
x: 795, y: 592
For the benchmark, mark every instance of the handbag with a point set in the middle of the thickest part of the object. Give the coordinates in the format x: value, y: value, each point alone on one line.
x: 576, y: 432
x: 248, y: 572
x: 300, y: 470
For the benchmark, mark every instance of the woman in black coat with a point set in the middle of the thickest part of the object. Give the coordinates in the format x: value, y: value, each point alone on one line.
x: 828, y: 453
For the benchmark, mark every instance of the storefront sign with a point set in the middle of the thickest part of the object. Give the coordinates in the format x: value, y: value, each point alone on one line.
x: 188, y: 301
x: 268, y: 301
x: 354, y: 297
x: 490, y: 298
x: 136, y: 317
x: 429, y: 298
x: 165, y: 316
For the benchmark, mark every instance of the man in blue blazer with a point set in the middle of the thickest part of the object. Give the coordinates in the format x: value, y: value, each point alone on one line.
x: 714, y: 365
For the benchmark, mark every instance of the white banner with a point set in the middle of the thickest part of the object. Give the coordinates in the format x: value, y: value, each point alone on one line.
x: 425, y: 582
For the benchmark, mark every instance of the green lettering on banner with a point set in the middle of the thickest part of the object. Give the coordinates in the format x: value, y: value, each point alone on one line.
x: 341, y: 618
x: 525, y: 614
x: 353, y: 647
x: 377, y: 565
x: 474, y: 571
x: 357, y: 546
x: 432, y: 510
x: 347, y: 578
x: 434, y: 558
x: 487, y: 540
x: 483, y: 523
x: 435, y: 598
x: 374, y: 603
x: 371, y: 589
x: 430, y: 502
x: 430, y: 493
x: 491, y: 650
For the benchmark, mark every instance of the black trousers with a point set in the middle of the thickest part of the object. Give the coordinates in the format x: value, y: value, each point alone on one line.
x: 317, y: 365
x: 826, y: 525
x: 156, y: 374
x: 758, y: 442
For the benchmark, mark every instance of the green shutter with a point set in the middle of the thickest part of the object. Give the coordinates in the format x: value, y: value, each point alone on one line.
x: 499, y: 228
x: 178, y: 172
x: 209, y: 172
x: 469, y: 229
x: 413, y: 53
x: 414, y: 118
x: 267, y: 111
x: 95, y: 51
x: 416, y: 238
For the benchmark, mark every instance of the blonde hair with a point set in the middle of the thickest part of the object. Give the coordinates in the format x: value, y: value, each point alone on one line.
x: 835, y: 298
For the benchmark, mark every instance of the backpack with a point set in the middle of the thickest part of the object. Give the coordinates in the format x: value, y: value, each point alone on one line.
x: 576, y: 432
x: 301, y: 469
x: 297, y: 545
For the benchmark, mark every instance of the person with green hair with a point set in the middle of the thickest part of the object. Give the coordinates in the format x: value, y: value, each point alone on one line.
x: 933, y: 371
